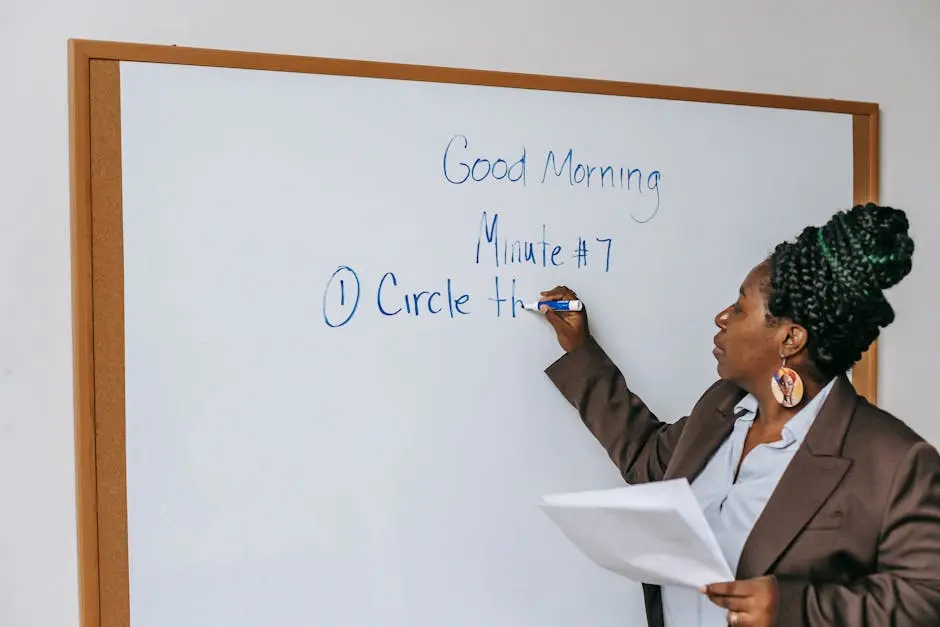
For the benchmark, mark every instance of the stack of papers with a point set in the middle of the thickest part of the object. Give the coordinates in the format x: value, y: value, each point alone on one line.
x: 652, y: 533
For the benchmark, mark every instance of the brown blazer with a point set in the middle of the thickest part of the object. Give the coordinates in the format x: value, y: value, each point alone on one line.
x: 852, y: 531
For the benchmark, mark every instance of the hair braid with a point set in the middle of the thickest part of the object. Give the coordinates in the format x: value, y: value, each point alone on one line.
x: 831, y: 279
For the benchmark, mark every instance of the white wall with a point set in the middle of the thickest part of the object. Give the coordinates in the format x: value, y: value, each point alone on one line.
x: 886, y: 51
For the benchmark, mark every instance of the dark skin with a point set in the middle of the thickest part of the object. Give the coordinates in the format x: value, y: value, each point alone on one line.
x: 749, y: 347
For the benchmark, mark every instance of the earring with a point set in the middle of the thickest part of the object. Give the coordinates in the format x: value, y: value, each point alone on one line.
x: 787, y: 386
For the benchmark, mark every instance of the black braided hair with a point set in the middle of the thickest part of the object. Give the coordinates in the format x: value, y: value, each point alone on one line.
x: 831, y: 280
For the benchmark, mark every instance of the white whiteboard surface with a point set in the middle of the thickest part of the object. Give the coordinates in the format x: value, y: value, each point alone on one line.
x: 386, y: 472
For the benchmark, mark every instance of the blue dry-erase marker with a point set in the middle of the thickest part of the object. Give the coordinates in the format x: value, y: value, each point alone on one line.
x: 557, y: 305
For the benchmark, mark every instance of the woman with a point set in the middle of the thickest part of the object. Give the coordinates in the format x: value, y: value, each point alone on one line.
x: 826, y: 507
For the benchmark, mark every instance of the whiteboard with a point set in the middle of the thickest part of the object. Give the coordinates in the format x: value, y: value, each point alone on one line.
x: 306, y: 445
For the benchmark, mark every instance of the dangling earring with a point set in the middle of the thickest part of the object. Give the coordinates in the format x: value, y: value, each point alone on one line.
x: 787, y: 385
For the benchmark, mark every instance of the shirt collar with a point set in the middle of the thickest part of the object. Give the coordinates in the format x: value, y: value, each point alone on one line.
x: 798, y: 426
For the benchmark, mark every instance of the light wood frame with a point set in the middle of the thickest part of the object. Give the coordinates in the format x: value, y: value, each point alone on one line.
x: 97, y: 260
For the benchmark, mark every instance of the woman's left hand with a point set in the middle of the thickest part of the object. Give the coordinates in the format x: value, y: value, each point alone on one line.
x: 750, y: 602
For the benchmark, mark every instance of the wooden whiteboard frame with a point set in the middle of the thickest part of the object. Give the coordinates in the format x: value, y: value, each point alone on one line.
x: 97, y: 260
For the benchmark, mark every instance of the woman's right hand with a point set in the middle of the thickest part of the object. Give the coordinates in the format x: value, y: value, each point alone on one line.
x: 571, y: 327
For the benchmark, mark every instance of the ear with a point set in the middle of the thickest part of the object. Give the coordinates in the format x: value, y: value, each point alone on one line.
x: 794, y: 339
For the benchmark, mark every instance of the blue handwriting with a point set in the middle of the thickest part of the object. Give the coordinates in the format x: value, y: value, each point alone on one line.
x: 516, y: 304
x: 579, y: 173
x: 479, y: 168
x: 341, y: 298
x: 416, y: 302
x: 536, y: 252
x: 461, y: 164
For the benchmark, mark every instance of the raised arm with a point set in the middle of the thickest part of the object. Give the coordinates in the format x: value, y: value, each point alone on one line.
x: 638, y: 443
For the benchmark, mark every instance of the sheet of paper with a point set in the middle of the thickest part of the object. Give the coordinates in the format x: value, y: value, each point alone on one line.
x: 650, y: 533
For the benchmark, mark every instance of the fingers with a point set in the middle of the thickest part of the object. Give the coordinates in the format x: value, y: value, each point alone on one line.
x: 570, y: 326
x: 738, y: 597
x: 560, y: 292
x: 740, y: 619
x: 750, y: 602
x: 735, y: 596
x: 554, y: 319
x: 563, y: 321
x: 728, y: 588
x: 733, y: 604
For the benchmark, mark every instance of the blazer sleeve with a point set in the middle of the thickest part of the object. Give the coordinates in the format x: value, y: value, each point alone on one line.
x: 905, y: 592
x: 638, y: 443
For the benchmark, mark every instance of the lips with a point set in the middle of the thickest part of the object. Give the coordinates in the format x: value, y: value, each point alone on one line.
x: 718, y: 350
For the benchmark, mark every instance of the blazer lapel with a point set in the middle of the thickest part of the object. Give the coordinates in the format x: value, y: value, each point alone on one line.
x: 813, y: 474
x: 711, y: 429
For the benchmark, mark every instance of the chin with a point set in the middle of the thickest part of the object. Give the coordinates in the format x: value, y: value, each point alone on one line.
x: 719, y: 367
x: 723, y: 373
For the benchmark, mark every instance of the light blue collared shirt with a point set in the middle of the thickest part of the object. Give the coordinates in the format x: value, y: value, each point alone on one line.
x: 731, y: 508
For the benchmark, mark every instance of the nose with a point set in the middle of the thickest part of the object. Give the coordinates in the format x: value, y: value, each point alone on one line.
x: 721, y: 320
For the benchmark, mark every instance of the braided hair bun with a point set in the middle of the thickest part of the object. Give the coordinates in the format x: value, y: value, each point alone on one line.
x: 831, y: 281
